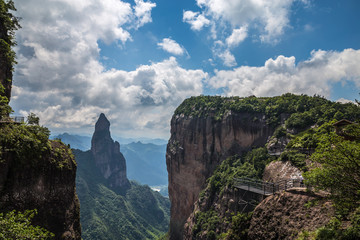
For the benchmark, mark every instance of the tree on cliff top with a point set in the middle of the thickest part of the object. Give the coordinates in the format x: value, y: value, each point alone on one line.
x: 339, y: 169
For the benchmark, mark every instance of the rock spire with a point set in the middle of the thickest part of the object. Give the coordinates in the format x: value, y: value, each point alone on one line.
x: 107, y: 155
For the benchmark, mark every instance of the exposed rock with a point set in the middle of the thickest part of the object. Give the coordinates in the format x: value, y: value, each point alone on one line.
x: 279, y: 170
x: 284, y: 215
x: 46, y: 184
x: 107, y: 155
x: 196, y: 146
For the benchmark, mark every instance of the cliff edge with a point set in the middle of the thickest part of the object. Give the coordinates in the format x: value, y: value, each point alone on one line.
x: 36, y: 173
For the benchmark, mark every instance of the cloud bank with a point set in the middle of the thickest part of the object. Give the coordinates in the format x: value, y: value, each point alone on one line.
x: 313, y: 76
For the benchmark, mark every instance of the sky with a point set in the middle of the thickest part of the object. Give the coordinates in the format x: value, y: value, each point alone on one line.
x: 137, y: 60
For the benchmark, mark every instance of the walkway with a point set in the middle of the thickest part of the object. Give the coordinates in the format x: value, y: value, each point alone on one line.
x: 266, y: 188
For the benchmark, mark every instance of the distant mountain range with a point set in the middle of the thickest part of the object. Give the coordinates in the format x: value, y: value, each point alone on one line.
x: 145, y: 158
x: 83, y: 143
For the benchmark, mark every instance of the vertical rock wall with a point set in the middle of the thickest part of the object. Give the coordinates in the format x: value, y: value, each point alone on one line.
x: 196, y: 146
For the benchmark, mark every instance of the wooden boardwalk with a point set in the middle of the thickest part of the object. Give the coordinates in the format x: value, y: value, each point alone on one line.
x: 266, y: 188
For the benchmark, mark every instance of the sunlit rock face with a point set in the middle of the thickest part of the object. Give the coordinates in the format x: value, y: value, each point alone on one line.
x: 107, y: 155
x: 196, y: 146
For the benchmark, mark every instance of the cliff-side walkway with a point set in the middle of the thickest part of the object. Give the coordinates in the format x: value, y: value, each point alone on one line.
x: 266, y: 188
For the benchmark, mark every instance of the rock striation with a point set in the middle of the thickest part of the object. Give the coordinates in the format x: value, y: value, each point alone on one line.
x: 197, y: 146
x: 46, y: 184
x: 107, y: 155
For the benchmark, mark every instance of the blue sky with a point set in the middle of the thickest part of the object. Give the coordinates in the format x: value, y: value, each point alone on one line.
x: 138, y: 60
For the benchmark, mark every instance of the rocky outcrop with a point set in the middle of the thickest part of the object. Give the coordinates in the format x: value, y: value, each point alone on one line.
x: 279, y: 170
x: 284, y: 215
x: 107, y: 155
x: 196, y: 146
x: 46, y: 184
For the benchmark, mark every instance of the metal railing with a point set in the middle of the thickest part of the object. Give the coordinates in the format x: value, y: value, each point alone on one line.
x: 267, y: 188
x: 12, y: 119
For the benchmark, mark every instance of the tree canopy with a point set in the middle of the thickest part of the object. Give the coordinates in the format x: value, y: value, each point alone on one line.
x: 338, y: 164
x: 17, y: 225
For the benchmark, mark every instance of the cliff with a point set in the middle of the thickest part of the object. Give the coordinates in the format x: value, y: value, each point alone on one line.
x: 206, y: 130
x: 197, y: 146
x: 107, y: 155
x: 36, y: 173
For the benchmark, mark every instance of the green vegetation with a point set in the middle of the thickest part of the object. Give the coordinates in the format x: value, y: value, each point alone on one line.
x: 304, y: 110
x: 251, y: 165
x: 339, y: 165
x: 140, y: 213
x: 17, y: 225
x: 334, y: 230
x: 208, y: 221
x: 8, y: 24
x: 24, y: 142
x: 5, y: 109
x: 296, y: 158
x: 240, y: 224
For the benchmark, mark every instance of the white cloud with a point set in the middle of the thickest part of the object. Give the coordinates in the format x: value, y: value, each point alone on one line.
x: 171, y: 46
x: 228, y: 58
x: 281, y: 75
x: 195, y: 19
x: 237, y: 36
x: 143, y: 12
x: 60, y: 78
x: 272, y: 15
x: 343, y: 100
x: 231, y: 20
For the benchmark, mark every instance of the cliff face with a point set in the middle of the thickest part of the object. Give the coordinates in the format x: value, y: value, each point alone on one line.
x: 196, y: 146
x: 107, y: 155
x: 46, y: 184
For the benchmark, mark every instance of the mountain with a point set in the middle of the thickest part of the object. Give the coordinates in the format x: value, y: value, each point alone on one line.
x: 241, y: 133
x: 146, y: 163
x: 84, y: 142
x: 111, y: 206
x: 107, y: 156
x: 76, y: 141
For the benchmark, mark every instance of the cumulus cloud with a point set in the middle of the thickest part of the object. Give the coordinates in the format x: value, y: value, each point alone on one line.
x: 230, y: 20
x: 195, y: 19
x: 237, y: 36
x: 228, y: 58
x: 272, y: 15
x: 59, y: 76
x: 281, y: 75
x: 143, y: 12
x: 171, y: 46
